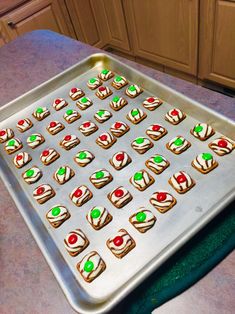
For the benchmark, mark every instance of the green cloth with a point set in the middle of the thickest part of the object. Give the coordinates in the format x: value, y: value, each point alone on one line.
x: 203, y: 252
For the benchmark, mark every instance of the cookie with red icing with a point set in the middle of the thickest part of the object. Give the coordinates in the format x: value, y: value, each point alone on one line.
x: 143, y: 220
x: 21, y: 159
x: 222, y: 146
x: 152, y: 103
x: 13, y: 145
x: 57, y: 215
x: 106, y: 140
x: 34, y: 140
x: 88, y: 128
x: 80, y: 195
x: 119, y: 82
x: 117, y: 103
x: 105, y: 75
x: 94, y: 82
x: 181, y: 182
x: 43, y: 193
x: 157, y: 163
x: 119, y: 128
x: 63, y: 174
x: 133, y: 91
x: 178, y: 145
x: 121, y: 243
x: 98, y: 217
x: 55, y: 127
x: 6, y: 134
x: 175, y: 116
x: 120, y: 160
x: 76, y: 93
x: 156, y: 131
x: 71, y: 115
x: 141, y: 180
x: 84, y: 103
x: 100, y: 178
x: 103, y: 92
x: 24, y: 124
x: 48, y: 156
x: 41, y: 113
x: 59, y: 103
x: 69, y: 141
x: 162, y: 201
x: 75, y: 242
x: 120, y: 197
x: 102, y: 115
x: 141, y: 145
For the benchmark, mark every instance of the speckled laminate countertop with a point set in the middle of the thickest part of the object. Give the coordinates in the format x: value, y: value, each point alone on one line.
x: 26, y: 282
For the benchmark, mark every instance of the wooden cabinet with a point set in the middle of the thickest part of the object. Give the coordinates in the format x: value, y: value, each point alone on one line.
x: 38, y: 14
x: 217, y: 42
x: 165, y: 32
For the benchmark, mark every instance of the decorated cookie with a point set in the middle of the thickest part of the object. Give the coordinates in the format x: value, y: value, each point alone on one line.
x: 71, y: 115
x: 119, y: 197
x: 181, y: 182
x: 156, y: 131
x: 32, y: 175
x: 94, y: 82
x: 59, y: 103
x: 120, y: 160
x: 162, y: 201
x: 106, y: 140
x: 43, y: 193
x: 121, y: 243
x: 69, y: 141
x: 136, y: 115
x: 103, y: 92
x: 141, y: 145
x: 76, y: 93
x: 101, y: 178
x: 204, y: 163
x: 91, y: 266
x: 48, y: 156
x: 13, y: 145
x: 157, y: 163
x: 35, y: 140
x: 119, y: 128
x: 21, y: 159
x: 142, y: 180
x: 98, y: 217
x: 202, y: 131
x: 143, y: 220
x: 102, y: 115
x: 41, y: 113
x: 80, y: 195
x: 133, y: 91
x: 63, y: 174
x: 5, y: 135
x: 84, y: 103
x: 57, y: 215
x: 118, y: 103
x: 175, y: 116
x: 88, y: 128
x: 24, y: 124
x: 83, y: 158
x: 178, y: 145
x: 75, y: 242
x: 55, y: 127
x: 119, y: 82
x: 222, y: 146
x: 105, y: 75
x: 152, y: 103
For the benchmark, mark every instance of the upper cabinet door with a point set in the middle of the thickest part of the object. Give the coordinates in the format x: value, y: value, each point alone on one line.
x: 38, y: 14
x: 165, y: 31
x: 217, y: 42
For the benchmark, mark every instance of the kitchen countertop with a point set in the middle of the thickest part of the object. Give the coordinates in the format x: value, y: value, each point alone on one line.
x: 27, y: 284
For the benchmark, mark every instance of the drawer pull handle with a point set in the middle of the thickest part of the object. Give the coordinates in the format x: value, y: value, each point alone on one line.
x: 11, y: 24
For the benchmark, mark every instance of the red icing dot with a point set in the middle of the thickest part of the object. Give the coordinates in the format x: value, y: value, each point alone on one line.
x: 72, y: 238
x: 21, y: 122
x: 103, y: 137
x: 117, y: 125
x: 161, y: 196
x: 156, y: 127
x: 118, y: 241
x: 73, y: 90
x: 222, y: 143
x: 119, y: 193
x: 52, y: 124
x: 40, y: 190
x: 2, y: 133
x: 120, y: 157
x: 86, y: 124
x: 102, y: 88
x: 57, y: 101
x: 45, y: 153
x: 174, y: 112
x: 181, y: 178
x: 150, y: 99
x: 19, y: 157
x: 67, y: 138
x: 78, y: 193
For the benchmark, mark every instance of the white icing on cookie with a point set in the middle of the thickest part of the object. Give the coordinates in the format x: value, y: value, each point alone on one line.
x: 69, y: 143
x: 120, y: 160
x: 47, y: 193
x: 24, y: 125
x: 105, y: 139
x: 203, y: 164
x: 76, y: 246
x: 141, y: 180
x: 88, y: 127
x: 178, y: 149
x: 124, y: 247
x: 181, y: 185
x: 102, y: 115
x: 135, y: 115
x: 117, y: 103
x: 42, y: 114
x: 6, y: 134
x: 94, y: 82
x: 80, y: 195
x: 222, y: 150
x: 157, y: 163
x: 164, y: 203
x: 205, y: 133
x: 35, y: 140
x: 155, y: 131
x: 21, y: 159
x: 32, y: 175
x: 75, y: 93
x: 60, y: 218
x: 119, y: 81
x: 151, y: 103
x: 98, y: 263
x: 174, y: 116
x: 85, y: 157
x: 101, y: 220
x: 119, y: 128
x: 59, y: 103
x: 105, y: 75
x: 48, y: 156
x: 135, y: 92
x: 117, y: 200
x: 55, y: 127
x: 84, y: 103
x: 13, y: 145
x: 72, y: 116
x: 143, y: 225
x: 144, y: 145
x: 103, y: 92
x: 100, y: 178
x: 63, y: 174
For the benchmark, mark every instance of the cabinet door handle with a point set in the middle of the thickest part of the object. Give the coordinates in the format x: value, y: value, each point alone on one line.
x: 11, y: 24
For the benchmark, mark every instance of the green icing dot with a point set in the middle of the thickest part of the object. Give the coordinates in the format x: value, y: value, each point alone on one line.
x: 138, y: 176
x: 140, y: 216
x: 32, y: 138
x: 158, y: 159
x: 39, y: 110
x: 55, y: 211
x: 61, y: 171
x: 11, y: 143
x: 82, y: 155
x: 89, y: 266
x: 95, y: 213
x: 132, y: 88
x: 100, y: 113
x: 118, y: 78
x: 99, y: 175
x: 92, y: 80
x: 207, y: 156
x: 134, y: 112
x: 69, y: 112
x: 105, y: 71
x: 198, y: 128
x: 116, y: 99
x: 84, y: 100
x: 139, y: 140
x: 29, y: 173
x: 178, y: 142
